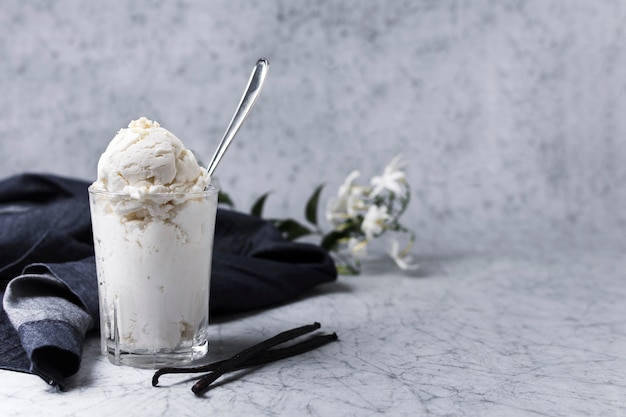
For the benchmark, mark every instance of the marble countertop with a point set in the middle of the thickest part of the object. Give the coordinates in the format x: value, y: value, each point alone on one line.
x: 470, y: 334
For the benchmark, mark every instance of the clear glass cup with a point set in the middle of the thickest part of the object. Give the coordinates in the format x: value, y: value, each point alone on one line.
x: 153, y: 261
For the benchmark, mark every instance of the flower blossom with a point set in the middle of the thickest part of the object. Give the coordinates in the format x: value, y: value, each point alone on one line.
x: 350, y: 201
x: 348, y: 183
x: 401, y: 258
x: 392, y: 179
x: 374, y: 221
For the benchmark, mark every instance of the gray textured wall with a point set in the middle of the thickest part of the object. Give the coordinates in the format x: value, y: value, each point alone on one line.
x: 510, y: 113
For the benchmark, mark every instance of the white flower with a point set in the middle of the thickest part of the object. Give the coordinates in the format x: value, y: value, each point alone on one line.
x: 374, y: 221
x: 356, y: 202
x: 393, y: 178
x: 346, y: 187
x: 402, y: 259
x: 336, y: 211
x: 350, y: 201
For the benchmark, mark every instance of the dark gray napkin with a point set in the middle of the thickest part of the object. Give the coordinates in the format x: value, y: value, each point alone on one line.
x: 48, y: 277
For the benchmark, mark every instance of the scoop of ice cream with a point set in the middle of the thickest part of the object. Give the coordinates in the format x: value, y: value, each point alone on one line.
x: 147, y: 159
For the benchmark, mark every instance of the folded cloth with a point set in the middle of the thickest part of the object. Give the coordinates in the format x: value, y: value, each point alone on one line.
x: 48, y: 276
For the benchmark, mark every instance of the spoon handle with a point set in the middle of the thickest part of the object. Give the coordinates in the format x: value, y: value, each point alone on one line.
x: 247, y: 101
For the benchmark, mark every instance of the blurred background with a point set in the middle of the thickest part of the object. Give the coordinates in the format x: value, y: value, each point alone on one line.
x: 509, y: 114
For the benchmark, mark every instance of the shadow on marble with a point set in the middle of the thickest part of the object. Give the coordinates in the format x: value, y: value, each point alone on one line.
x: 335, y: 287
x: 86, y: 375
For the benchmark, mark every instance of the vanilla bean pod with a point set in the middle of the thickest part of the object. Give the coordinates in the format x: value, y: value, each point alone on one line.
x: 240, y: 358
x: 262, y: 358
x: 273, y: 355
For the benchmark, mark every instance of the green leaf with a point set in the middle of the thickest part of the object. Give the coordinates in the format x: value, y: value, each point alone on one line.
x: 223, y: 198
x: 331, y: 240
x: 257, y: 207
x: 311, y: 205
x: 291, y: 229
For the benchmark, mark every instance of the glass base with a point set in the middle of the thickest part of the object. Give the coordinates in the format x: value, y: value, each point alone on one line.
x: 154, y: 359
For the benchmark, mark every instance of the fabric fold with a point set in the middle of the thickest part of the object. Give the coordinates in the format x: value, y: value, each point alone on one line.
x: 48, y: 277
x: 51, y: 323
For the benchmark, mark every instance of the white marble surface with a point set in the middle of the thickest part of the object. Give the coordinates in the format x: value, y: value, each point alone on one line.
x: 514, y: 333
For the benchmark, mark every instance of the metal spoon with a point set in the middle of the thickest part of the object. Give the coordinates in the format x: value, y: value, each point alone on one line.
x: 245, y: 105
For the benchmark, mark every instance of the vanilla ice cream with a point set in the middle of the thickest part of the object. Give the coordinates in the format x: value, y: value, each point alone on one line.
x: 146, y: 159
x: 153, y: 215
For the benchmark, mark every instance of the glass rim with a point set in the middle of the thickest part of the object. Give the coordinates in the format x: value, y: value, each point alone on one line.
x: 210, y: 190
